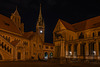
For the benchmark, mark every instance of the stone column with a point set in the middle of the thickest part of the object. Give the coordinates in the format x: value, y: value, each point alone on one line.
x: 97, y: 48
x: 62, y: 54
x: 67, y: 51
x: 78, y: 50
x: 87, y: 50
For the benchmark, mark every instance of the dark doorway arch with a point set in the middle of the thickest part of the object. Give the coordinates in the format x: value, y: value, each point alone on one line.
x: 81, y: 36
x: 51, y: 55
x: 46, y: 55
x: 0, y: 57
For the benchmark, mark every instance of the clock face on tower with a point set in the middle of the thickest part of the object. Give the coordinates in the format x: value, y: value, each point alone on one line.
x: 41, y: 31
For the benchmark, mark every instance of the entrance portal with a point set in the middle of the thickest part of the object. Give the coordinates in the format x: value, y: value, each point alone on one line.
x: 19, y: 56
x: 51, y: 55
x: 0, y: 57
x: 46, y: 56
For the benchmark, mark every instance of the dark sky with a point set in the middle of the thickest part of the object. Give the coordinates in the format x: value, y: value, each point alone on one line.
x: 72, y: 11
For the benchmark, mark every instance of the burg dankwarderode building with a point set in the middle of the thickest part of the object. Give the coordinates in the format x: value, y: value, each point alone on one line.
x: 76, y: 41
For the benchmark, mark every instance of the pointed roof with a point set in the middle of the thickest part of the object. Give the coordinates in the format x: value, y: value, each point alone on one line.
x: 87, y: 24
x: 40, y: 21
x: 40, y: 13
x: 15, y: 42
x: 83, y: 25
x: 7, y: 25
x: 67, y: 25
x: 29, y: 35
x: 16, y: 12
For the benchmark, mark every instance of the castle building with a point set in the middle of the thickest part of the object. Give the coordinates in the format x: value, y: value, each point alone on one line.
x: 80, y: 40
x: 16, y: 45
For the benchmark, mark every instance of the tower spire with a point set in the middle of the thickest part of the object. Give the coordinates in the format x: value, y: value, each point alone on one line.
x: 16, y: 12
x: 40, y: 13
x: 40, y: 27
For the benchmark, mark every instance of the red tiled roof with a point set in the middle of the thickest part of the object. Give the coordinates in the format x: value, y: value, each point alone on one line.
x: 84, y: 25
x: 15, y: 42
x: 7, y: 24
x: 28, y: 35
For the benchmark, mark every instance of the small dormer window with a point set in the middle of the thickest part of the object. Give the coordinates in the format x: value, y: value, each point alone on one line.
x: 7, y: 24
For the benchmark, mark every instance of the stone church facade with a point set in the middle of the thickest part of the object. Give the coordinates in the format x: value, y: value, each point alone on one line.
x: 16, y: 45
x: 77, y: 41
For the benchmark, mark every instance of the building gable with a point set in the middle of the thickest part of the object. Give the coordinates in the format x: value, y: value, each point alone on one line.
x: 59, y: 26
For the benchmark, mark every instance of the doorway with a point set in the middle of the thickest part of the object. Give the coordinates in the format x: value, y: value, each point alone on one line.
x: 19, y: 56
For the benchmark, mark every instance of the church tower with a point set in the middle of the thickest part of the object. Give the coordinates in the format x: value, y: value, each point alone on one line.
x: 40, y: 27
x: 16, y: 18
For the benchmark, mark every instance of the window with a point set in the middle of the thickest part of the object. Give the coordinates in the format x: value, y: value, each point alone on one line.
x: 34, y: 53
x: 46, y: 47
x: 25, y: 43
x: 6, y: 24
x: 81, y: 36
x: 10, y: 50
x: 51, y: 47
x: 93, y: 34
x: 99, y: 33
x: 39, y: 46
x: 72, y: 37
x: 26, y: 53
x: 33, y: 45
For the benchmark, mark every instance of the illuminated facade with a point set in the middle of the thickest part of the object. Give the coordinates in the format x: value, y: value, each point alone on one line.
x: 80, y: 40
x: 15, y: 44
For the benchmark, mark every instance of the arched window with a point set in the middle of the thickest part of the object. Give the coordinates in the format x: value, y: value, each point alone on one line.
x: 81, y: 36
x: 8, y: 48
x: 5, y: 46
x: 6, y: 37
x: 9, y: 39
x: 72, y: 37
x: 99, y: 33
x: 93, y: 34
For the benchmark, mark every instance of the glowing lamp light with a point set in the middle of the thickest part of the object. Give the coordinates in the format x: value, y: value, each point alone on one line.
x: 94, y: 52
x: 41, y: 31
x: 70, y: 53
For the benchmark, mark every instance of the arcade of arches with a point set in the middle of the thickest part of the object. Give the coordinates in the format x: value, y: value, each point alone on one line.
x: 80, y: 40
x: 48, y: 55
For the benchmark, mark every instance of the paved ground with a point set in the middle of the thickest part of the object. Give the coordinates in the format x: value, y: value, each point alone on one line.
x: 46, y: 64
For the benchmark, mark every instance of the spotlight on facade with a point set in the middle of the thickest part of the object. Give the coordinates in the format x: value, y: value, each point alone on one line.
x: 70, y: 53
x: 94, y: 52
x: 41, y: 31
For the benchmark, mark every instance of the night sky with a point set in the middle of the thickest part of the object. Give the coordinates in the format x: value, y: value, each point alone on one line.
x: 72, y: 11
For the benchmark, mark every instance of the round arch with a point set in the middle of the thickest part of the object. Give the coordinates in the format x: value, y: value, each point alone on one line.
x: 51, y: 55
x: 46, y: 55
